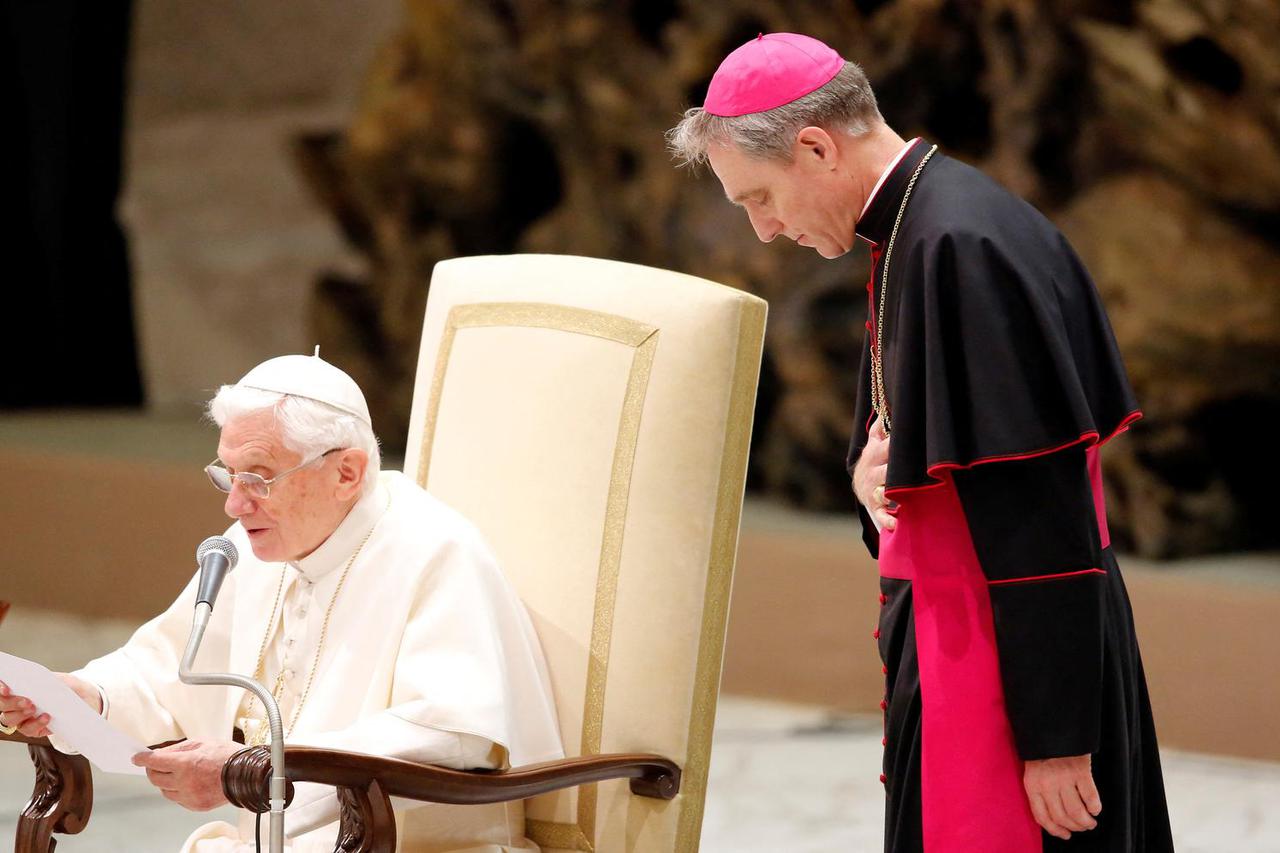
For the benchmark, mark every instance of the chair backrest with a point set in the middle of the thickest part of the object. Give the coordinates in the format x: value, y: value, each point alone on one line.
x: 593, y: 419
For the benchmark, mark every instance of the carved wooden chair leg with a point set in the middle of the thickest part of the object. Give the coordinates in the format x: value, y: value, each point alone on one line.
x: 61, y: 801
x: 368, y: 824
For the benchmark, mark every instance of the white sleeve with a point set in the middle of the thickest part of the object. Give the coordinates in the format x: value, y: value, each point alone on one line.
x: 139, y: 681
x: 66, y: 748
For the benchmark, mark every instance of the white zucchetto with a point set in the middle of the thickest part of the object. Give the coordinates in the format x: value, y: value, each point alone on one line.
x: 312, y: 377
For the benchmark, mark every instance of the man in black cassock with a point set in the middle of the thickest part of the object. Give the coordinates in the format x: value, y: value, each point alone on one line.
x: 1016, y: 710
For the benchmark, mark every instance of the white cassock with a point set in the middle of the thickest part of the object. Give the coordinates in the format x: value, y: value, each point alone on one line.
x: 428, y: 656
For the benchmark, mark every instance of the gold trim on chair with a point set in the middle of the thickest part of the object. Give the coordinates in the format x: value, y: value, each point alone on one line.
x: 644, y: 340
x: 557, y: 836
x: 724, y: 550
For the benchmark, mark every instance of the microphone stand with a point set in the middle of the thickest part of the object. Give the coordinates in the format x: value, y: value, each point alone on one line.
x: 277, y: 789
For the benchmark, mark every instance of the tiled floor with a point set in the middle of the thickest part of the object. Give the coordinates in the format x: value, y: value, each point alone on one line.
x: 784, y: 778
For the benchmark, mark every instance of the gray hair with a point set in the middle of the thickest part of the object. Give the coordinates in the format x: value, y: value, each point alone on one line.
x: 846, y: 102
x: 307, y: 427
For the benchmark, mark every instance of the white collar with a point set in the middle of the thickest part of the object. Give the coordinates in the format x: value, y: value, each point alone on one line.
x: 893, y: 164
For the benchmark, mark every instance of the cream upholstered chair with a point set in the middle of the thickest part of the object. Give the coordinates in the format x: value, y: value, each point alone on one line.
x: 593, y: 419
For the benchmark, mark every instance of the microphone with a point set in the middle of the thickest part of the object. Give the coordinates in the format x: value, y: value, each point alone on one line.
x: 215, y: 556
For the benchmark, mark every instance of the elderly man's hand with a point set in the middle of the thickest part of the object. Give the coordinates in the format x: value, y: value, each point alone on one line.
x: 21, y: 712
x: 869, y: 475
x: 189, y: 773
x: 1062, y: 794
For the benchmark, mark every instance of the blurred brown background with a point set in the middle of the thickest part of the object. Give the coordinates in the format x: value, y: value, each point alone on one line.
x: 287, y: 174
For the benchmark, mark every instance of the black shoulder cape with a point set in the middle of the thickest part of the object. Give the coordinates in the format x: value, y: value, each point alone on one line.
x: 996, y: 343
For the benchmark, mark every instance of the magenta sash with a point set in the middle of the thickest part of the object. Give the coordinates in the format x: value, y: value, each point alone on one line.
x: 972, y: 797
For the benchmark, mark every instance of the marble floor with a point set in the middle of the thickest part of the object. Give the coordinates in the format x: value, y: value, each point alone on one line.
x: 796, y: 779
x: 784, y: 778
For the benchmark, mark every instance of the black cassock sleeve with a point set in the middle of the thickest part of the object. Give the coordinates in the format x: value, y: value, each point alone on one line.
x: 870, y: 536
x: 1035, y: 531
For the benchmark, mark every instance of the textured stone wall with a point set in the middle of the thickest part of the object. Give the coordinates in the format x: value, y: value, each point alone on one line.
x: 1149, y: 130
x: 224, y: 238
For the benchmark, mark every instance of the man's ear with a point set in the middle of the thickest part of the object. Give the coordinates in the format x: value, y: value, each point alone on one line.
x: 815, y: 147
x: 353, y: 465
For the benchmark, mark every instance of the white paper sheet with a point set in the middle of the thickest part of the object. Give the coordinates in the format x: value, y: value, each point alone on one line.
x: 70, y: 718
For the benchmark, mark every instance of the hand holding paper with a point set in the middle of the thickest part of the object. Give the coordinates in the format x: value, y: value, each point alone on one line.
x: 18, y: 714
x: 70, y: 718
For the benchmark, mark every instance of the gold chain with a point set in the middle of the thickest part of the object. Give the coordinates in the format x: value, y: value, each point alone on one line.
x: 878, y: 400
x: 259, y: 738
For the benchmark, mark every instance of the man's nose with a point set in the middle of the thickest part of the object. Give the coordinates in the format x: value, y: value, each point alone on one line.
x: 766, y: 227
x: 239, y: 502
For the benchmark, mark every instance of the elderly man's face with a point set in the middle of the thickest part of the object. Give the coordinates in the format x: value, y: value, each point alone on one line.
x: 302, y: 509
x: 800, y: 200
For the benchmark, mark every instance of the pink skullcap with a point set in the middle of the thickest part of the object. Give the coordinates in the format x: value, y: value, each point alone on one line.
x: 770, y: 70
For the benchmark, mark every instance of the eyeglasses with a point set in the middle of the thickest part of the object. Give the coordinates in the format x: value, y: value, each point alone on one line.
x: 257, y: 486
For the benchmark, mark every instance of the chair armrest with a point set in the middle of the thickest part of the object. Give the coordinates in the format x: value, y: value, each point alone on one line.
x: 246, y: 774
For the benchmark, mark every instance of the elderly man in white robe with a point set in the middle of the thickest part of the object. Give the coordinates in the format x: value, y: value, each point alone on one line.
x: 375, y: 615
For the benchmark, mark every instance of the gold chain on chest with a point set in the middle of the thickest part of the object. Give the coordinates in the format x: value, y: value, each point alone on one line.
x: 259, y: 737
x: 880, y: 403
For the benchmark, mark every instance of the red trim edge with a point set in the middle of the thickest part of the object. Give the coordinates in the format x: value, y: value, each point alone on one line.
x: 1090, y: 438
x: 1048, y: 577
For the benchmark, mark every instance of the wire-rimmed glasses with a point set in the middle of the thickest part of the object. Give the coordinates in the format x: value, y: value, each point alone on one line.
x: 255, y: 485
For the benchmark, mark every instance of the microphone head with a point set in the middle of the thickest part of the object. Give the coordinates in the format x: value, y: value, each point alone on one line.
x: 220, y: 544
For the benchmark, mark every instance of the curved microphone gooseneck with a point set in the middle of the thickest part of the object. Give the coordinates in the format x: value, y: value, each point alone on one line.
x: 217, y: 556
